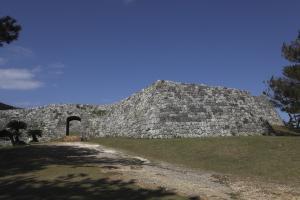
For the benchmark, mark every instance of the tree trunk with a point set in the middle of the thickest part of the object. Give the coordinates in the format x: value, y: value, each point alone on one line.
x: 17, y: 140
x: 12, y: 140
x: 298, y: 123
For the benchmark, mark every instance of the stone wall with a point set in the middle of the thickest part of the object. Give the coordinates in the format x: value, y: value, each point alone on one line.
x: 164, y: 110
x: 50, y: 119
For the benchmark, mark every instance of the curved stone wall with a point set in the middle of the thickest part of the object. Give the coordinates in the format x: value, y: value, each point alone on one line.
x: 164, y: 110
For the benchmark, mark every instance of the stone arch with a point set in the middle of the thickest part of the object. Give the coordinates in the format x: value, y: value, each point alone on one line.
x: 71, y: 118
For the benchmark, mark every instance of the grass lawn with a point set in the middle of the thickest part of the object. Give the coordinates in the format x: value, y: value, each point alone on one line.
x: 267, y: 158
x: 63, y: 172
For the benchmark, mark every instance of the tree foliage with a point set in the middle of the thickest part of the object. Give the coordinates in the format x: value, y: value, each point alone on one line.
x: 9, y: 30
x: 13, y: 132
x: 284, y: 91
x: 15, y: 126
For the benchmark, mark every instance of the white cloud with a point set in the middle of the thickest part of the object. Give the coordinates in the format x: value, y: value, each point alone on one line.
x: 18, y: 79
x: 3, y: 61
x: 22, y: 51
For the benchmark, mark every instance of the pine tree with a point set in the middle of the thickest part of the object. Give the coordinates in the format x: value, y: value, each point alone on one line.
x: 9, y: 30
x: 284, y: 91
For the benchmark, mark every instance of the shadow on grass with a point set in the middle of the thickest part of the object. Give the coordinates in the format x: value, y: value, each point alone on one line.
x: 65, y: 188
x: 20, y: 160
x: 23, y: 175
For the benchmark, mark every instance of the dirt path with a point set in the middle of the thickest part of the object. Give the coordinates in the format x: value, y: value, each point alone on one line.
x: 204, y: 185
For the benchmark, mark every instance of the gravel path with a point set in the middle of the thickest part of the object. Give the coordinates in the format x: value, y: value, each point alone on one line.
x: 204, y: 185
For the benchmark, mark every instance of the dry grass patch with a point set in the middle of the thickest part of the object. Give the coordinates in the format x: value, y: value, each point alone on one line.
x: 71, y: 138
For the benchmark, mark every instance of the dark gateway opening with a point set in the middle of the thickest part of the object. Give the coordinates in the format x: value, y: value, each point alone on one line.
x: 71, y: 118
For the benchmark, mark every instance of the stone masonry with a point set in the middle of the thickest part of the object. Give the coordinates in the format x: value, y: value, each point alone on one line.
x: 165, y: 109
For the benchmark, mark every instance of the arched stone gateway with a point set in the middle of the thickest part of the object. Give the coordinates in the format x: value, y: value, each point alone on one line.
x: 71, y: 118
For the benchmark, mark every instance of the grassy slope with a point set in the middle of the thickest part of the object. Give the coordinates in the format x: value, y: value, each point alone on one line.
x: 55, y: 172
x: 268, y: 158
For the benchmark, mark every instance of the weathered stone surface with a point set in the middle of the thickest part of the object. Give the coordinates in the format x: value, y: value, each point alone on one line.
x: 164, y: 110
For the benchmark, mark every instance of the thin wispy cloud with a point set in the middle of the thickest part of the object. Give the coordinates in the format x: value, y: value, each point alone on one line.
x: 57, y: 68
x: 58, y: 72
x: 18, y: 79
x: 21, y: 51
x: 37, y: 69
x: 57, y: 65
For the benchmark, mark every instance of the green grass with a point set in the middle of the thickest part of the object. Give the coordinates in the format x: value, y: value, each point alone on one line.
x: 63, y: 172
x: 267, y: 158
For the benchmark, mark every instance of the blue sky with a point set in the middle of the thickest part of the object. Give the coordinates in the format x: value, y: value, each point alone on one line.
x: 100, y: 51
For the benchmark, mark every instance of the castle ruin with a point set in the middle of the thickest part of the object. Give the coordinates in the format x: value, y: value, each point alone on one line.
x: 165, y: 109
